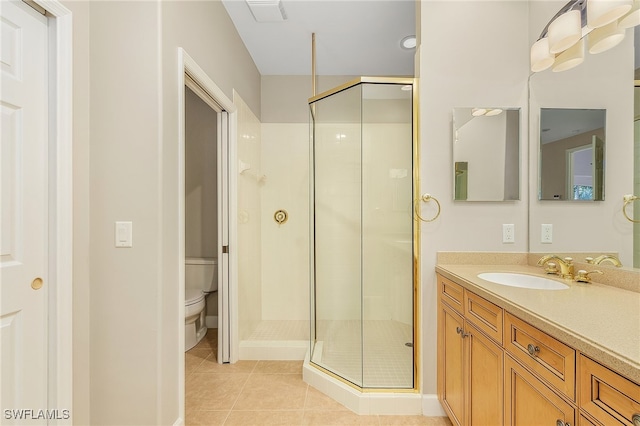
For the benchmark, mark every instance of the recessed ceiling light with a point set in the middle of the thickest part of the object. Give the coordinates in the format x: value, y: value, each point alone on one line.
x: 406, y: 87
x: 409, y: 42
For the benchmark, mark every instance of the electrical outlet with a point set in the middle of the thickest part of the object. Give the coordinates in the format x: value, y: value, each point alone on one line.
x: 546, y: 236
x: 508, y: 233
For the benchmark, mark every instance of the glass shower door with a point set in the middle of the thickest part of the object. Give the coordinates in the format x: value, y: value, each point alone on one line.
x: 363, y: 234
x: 337, y: 228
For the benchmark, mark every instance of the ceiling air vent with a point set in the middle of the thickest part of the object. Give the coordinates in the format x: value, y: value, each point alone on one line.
x: 267, y: 10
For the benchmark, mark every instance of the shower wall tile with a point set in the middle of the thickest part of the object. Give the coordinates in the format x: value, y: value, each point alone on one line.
x: 285, y: 247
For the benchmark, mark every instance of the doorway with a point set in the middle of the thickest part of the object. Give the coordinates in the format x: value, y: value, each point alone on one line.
x: 201, y: 89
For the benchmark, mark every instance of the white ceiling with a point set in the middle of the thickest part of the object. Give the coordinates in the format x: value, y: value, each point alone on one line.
x: 559, y: 123
x: 353, y: 37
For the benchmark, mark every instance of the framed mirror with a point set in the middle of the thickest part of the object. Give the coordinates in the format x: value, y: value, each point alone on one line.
x: 486, y: 154
x: 572, y: 154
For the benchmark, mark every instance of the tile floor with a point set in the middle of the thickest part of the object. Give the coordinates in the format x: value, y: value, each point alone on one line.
x: 265, y: 393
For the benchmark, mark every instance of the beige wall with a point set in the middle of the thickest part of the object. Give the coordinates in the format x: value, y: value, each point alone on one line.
x: 201, y: 180
x: 472, y: 63
x: 125, y: 168
x: 285, y: 97
x: 125, y: 185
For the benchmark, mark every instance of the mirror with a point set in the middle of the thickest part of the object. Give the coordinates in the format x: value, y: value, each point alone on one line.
x: 572, y: 154
x: 601, y: 82
x: 486, y: 154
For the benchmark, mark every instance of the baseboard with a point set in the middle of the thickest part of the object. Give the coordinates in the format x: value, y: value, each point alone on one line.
x: 431, y: 406
x: 211, y: 321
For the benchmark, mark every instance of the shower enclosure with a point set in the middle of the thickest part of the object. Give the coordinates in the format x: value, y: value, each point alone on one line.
x: 363, y: 234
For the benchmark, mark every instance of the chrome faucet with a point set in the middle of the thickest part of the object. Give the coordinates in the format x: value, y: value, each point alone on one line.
x: 604, y: 258
x: 566, y: 265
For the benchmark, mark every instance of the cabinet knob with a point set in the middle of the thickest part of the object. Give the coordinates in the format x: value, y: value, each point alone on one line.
x: 561, y: 423
x: 636, y: 419
x: 461, y: 332
x: 533, y: 350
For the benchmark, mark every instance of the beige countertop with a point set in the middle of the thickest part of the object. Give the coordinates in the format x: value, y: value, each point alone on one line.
x: 601, y: 321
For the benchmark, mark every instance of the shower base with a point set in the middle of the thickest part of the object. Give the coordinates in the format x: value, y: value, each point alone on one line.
x: 385, y: 361
x: 276, y: 340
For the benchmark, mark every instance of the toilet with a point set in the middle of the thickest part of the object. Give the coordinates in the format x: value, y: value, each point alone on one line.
x: 201, y: 278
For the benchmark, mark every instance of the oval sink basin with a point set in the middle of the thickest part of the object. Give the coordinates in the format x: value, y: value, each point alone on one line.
x: 522, y: 280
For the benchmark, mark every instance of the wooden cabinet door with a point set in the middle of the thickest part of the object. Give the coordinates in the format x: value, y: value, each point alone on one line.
x: 451, y: 383
x: 485, y: 372
x: 529, y: 402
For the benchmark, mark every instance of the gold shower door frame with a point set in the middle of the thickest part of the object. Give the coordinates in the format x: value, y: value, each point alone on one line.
x: 416, y: 226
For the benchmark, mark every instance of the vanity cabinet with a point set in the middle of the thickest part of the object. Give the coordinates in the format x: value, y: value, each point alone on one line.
x: 470, y: 381
x: 606, y: 396
x: 496, y: 369
x: 551, y: 360
x: 529, y: 401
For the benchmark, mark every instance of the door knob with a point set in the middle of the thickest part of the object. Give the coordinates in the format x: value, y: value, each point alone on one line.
x: 37, y: 283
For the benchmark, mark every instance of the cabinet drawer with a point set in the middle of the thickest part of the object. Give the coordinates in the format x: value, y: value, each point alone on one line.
x: 584, y: 421
x: 484, y: 315
x: 607, y: 396
x: 549, y: 358
x: 529, y: 401
x: 451, y: 293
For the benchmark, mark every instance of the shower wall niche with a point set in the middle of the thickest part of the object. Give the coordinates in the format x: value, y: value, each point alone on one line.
x: 362, y: 233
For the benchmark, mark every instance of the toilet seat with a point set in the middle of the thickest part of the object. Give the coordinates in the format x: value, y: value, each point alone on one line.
x: 193, y: 296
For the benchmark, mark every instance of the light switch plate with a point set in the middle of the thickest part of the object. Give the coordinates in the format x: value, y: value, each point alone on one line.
x: 124, y: 234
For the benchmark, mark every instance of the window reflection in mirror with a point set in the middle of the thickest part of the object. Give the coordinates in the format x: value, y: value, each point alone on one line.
x: 486, y: 154
x: 572, y: 154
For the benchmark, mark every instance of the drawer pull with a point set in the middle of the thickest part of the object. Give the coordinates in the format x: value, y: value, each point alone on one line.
x: 461, y: 332
x: 561, y: 423
x: 636, y: 419
x: 533, y: 350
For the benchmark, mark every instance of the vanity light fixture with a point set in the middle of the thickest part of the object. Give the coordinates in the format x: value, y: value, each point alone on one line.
x: 565, y: 31
x: 602, y: 22
x: 632, y: 18
x: 489, y: 112
x: 603, y: 12
x: 604, y: 38
x: 570, y: 58
x: 409, y: 42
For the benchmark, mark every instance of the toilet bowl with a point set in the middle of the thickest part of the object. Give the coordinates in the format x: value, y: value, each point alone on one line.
x: 201, y: 278
x: 194, y: 317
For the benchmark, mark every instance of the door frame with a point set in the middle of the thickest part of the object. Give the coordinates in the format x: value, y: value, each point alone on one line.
x: 60, y: 178
x: 188, y: 66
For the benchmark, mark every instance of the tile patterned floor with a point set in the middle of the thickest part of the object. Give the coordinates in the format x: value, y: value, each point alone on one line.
x: 265, y: 393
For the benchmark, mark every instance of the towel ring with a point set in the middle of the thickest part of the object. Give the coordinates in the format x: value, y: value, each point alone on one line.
x: 628, y: 199
x: 426, y: 198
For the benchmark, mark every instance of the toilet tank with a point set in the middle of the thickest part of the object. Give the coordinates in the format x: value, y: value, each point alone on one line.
x: 201, y: 273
